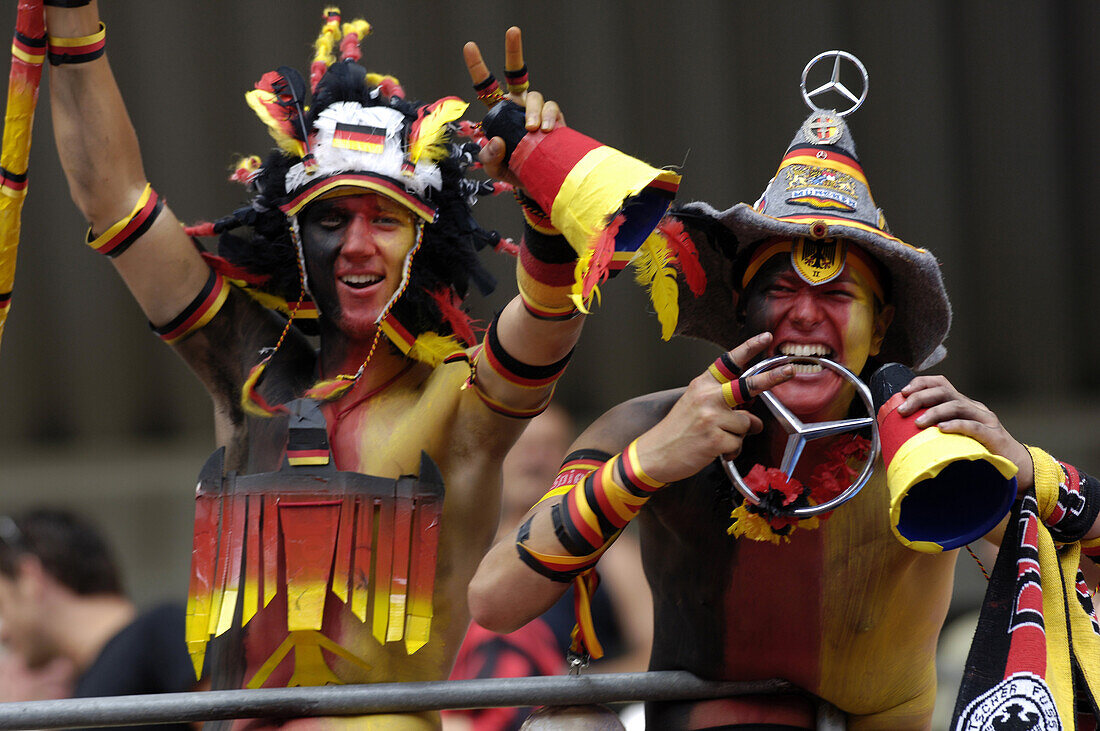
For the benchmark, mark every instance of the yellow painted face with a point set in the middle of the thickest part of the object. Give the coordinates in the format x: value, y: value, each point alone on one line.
x: 836, y: 319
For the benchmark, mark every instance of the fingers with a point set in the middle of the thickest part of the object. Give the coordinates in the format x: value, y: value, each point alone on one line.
x: 515, y: 70
x: 475, y: 64
x: 743, y: 354
x: 491, y: 157
x: 513, y: 50
x: 766, y: 381
x: 534, y: 111
x: 552, y: 116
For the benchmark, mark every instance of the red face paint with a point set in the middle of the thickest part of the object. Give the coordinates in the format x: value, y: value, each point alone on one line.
x: 355, y: 249
x: 835, y: 320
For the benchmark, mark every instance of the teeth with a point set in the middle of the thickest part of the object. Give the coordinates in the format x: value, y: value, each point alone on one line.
x: 360, y: 279
x: 805, y: 349
x: 807, y: 368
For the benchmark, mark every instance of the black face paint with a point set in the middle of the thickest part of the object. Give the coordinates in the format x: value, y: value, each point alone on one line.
x: 320, y: 246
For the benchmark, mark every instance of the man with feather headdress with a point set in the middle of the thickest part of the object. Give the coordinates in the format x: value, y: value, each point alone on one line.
x: 355, y: 486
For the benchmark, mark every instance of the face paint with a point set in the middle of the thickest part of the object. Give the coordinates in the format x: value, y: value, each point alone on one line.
x: 355, y: 248
x: 836, y: 320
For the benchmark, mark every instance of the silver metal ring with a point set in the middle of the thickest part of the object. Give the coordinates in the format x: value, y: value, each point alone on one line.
x: 834, y: 83
x: 799, y: 433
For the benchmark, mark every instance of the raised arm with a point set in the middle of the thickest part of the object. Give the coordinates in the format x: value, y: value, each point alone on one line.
x: 102, y: 161
x: 616, y: 465
x: 533, y: 336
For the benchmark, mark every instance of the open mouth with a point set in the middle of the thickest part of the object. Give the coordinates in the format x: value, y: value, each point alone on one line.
x: 360, y: 281
x: 818, y: 350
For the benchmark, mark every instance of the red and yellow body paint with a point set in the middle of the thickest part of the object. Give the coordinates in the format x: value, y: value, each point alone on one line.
x: 821, y: 640
x: 28, y: 51
x: 324, y: 562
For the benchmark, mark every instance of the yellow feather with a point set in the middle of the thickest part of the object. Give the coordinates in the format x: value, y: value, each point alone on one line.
x: 579, y: 271
x: 246, y: 165
x: 328, y: 38
x: 258, y: 99
x: 652, y: 271
x: 666, y: 301
x: 249, y: 386
x: 433, y: 128
x: 359, y: 27
x: 432, y: 348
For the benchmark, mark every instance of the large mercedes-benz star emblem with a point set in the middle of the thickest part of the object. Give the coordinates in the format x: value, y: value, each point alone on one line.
x: 799, y: 433
x: 834, y: 83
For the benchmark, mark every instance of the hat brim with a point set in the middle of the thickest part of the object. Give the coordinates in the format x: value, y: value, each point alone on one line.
x: 357, y: 183
x: 923, y: 313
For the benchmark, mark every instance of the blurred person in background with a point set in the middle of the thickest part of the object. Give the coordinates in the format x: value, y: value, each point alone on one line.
x: 622, y: 608
x: 68, y: 625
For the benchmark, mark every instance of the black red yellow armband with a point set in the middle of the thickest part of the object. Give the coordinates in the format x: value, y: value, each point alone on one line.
x: 516, y: 372
x: 546, y: 266
x: 597, y: 508
x: 200, y: 311
x: 119, y: 237
x: 29, y: 49
x: 574, y: 469
x: 493, y: 356
x: 517, y: 79
x: 77, y: 50
x: 591, y: 509
x: 562, y: 569
x: 489, y: 91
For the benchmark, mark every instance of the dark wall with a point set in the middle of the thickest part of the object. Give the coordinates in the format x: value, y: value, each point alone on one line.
x: 977, y: 138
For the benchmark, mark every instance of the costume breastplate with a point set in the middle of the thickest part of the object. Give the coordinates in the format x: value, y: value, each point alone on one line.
x: 310, y: 558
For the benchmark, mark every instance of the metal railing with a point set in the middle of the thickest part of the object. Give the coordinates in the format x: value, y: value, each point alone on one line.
x: 348, y: 700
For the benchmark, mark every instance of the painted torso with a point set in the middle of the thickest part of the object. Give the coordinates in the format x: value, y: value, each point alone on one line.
x: 381, y: 626
x: 844, y: 612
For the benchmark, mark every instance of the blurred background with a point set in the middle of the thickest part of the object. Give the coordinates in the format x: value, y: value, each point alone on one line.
x: 978, y: 137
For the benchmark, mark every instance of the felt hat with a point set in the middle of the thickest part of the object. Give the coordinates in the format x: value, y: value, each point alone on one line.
x: 820, y: 192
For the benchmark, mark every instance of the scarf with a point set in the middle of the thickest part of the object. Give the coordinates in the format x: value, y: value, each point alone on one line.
x: 1035, y: 659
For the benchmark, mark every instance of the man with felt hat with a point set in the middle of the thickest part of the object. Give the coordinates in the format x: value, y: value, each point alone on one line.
x: 843, y: 606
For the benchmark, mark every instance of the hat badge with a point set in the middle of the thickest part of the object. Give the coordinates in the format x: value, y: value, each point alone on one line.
x: 827, y: 125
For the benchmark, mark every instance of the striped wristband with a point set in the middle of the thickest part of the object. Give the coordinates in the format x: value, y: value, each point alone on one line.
x: 119, y: 237
x: 200, y: 311
x: 77, y: 50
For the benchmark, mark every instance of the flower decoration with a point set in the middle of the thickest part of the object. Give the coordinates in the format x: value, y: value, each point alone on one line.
x: 771, y: 520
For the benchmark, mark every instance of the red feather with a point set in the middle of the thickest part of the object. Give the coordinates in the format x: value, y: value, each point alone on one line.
x: 459, y: 321
x: 686, y: 256
x: 349, y: 47
x: 603, y: 249
x: 202, y: 228
x: 507, y: 246
x: 226, y: 269
x: 390, y: 87
x: 472, y: 130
